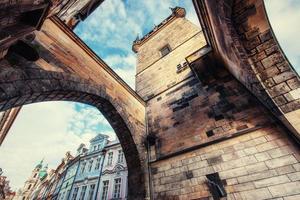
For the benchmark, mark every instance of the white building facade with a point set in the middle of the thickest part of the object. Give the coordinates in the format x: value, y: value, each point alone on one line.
x: 102, y: 172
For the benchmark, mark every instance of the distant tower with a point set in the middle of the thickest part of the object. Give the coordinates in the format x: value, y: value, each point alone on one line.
x: 32, y: 181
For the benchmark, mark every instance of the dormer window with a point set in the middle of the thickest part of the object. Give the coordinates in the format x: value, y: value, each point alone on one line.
x: 165, y: 50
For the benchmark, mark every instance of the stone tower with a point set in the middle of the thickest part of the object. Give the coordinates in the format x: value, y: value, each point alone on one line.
x: 208, y: 135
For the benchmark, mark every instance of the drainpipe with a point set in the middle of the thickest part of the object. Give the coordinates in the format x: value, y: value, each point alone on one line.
x: 99, y: 179
x: 148, y: 157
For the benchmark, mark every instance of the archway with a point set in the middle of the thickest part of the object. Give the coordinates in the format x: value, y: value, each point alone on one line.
x: 243, y: 39
x: 53, y: 78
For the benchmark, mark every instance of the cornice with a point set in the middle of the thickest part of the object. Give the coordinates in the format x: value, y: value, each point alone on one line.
x: 177, y: 12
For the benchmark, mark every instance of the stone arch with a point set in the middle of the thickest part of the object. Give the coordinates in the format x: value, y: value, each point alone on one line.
x: 24, y: 82
x: 242, y: 38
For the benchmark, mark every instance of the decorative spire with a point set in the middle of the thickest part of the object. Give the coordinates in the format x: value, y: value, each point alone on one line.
x: 137, y: 38
x: 40, y: 165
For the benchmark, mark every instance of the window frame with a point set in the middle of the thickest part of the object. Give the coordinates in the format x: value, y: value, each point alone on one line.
x: 75, y: 193
x: 91, y: 191
x: 117, y: 194
x: 97, y: 166
x: 120, y: 156
x: 110, y: 158
x: 82, y: 192
x: 91, y: 162
x: 161, y: 50
x: 104, y: 194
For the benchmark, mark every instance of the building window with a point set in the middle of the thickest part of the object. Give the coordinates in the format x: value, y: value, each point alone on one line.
x: 97, y: 163
x: 29, y: 187
x: 120, y: 156
x: 74, y: 196
x: 165, y: 50
x: 83, y: 167
x: 95, y: 148
x: 62, y: 195
x: 110, y: 158
x: 91, y: 192
x: 105, y: 190
x: 117, y: 188
x: 90, y: 165
x: 34, y: 175
x: 82, y: 193
x: 68, y: 193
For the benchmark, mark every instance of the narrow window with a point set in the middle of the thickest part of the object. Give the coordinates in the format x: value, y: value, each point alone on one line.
x: 82, y: 194
x: 117, y: 188
x: 165, y: 50
x: 91, y: 192
x: 90, y: 165
x: 97, y: 163
x: 83, y: 167
x: 62, y: 195
x: 105, y: 190
x: 120, y: 156
x: 67, y: 194
x: 110, y: 158
x: 74, y: 196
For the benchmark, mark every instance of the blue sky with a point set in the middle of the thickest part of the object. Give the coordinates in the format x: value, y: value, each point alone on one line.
x: 48, y: 130
x: 112, y: 28
x: 57, y: 127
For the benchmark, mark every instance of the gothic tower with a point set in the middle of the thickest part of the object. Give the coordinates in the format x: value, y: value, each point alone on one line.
x: 208, y: 135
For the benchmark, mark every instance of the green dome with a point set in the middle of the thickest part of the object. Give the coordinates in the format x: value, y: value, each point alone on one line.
x: 43, y: 173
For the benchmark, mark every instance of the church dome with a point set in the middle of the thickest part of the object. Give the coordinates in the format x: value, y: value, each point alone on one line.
x: 43, y: 173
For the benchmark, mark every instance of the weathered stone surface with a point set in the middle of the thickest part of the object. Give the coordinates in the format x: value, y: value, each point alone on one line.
x: 204, y: 119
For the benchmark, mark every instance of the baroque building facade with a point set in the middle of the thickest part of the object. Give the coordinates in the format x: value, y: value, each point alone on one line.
x: 97, y: 172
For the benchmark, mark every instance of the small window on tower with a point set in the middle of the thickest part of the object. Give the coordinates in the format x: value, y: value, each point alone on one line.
x: 165, y: 50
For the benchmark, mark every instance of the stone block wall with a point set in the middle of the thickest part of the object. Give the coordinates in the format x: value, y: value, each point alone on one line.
x: 263, y: 164
x: 175, y: 33
x: 195, y: 112
x: 67, y: 70
x: 243, y: 38
x: 155, y: 73
x: 163, y: 74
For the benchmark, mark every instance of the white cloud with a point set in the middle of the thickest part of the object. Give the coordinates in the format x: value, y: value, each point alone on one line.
x: 42, y: 130
x: 284, y: 17
x: 111, y: 29
x: 124, y: 66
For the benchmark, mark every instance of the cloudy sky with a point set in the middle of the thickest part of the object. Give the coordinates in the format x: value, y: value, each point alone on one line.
x: 284, y: 16
x: 48, y: 130
x: 112, y: 28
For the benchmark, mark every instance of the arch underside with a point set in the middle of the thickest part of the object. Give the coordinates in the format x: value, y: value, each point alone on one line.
x: 21, y: 85
x: 242, y: 37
